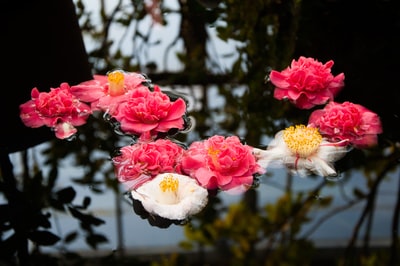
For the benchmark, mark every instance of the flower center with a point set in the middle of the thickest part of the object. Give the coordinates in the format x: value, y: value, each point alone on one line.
x: 116, y: 83
x: 169, y: 183
x: 213, y: 153
x: 169, y: 188
x: 302, y: 140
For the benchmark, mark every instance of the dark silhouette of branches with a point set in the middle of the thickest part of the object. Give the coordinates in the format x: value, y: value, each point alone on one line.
x: 329, y: 215
x: 369, y: 207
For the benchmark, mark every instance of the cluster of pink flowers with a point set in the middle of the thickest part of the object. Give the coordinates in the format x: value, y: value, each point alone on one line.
x: 129, y: 98
x: 313, y: 149
x: 172, y: 180
x: 142, y: 110
x: 218, y: 162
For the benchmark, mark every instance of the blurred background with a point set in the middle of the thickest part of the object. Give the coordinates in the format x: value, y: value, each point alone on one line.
x: 217, y: 54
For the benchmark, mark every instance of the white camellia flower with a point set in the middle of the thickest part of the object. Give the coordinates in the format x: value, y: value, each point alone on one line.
x: 172, y: 196
x: 302, y: 150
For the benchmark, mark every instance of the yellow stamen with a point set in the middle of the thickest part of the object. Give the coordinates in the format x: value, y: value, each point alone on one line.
x: 116, y: 83
x: 169, y: 183
x: 213, y: 153
x: 301, y: 140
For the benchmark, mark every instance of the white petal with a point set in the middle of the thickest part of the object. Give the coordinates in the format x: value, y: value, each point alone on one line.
x: 275, y: 154
x: 323, y: 168
x: 320, y: 167
x: 331, y: 152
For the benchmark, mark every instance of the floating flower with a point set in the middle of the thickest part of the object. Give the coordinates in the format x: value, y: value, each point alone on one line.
x: 172, y: 196
x: 347, y: 121
x: 142, y: 161
x: 303, y: 150
x: 307, y: 83
x: 105, y: 93
x: 57, y: 109
x: 150, y: 111
x: 221, y: 163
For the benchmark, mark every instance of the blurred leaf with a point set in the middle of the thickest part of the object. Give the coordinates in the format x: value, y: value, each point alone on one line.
x: 66, y: 195
x: 86, y: 202
x: 85, y: 218
x: 44, y: 238
x: 70, y: 237
x: 42, y: 220
x: 94, y: 239
x: 86, y: 181
x: 56, y: 204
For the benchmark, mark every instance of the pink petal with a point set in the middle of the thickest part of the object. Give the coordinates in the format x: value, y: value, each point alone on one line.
x: 64, y: 130
x: 280, y: 94
x: 278, y: 79
x: 135, y: 127
x: 177, y: 109
x: 88, y: 93
x: 164, y: 126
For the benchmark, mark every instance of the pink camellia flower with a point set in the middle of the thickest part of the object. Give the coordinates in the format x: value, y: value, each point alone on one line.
x: 142, y: 161
x: 150, y: 111
x: 307, y: 83
x: 221, y: 163
x: 105, y: 93
x: 347, y: 121
x: 57, y: 109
